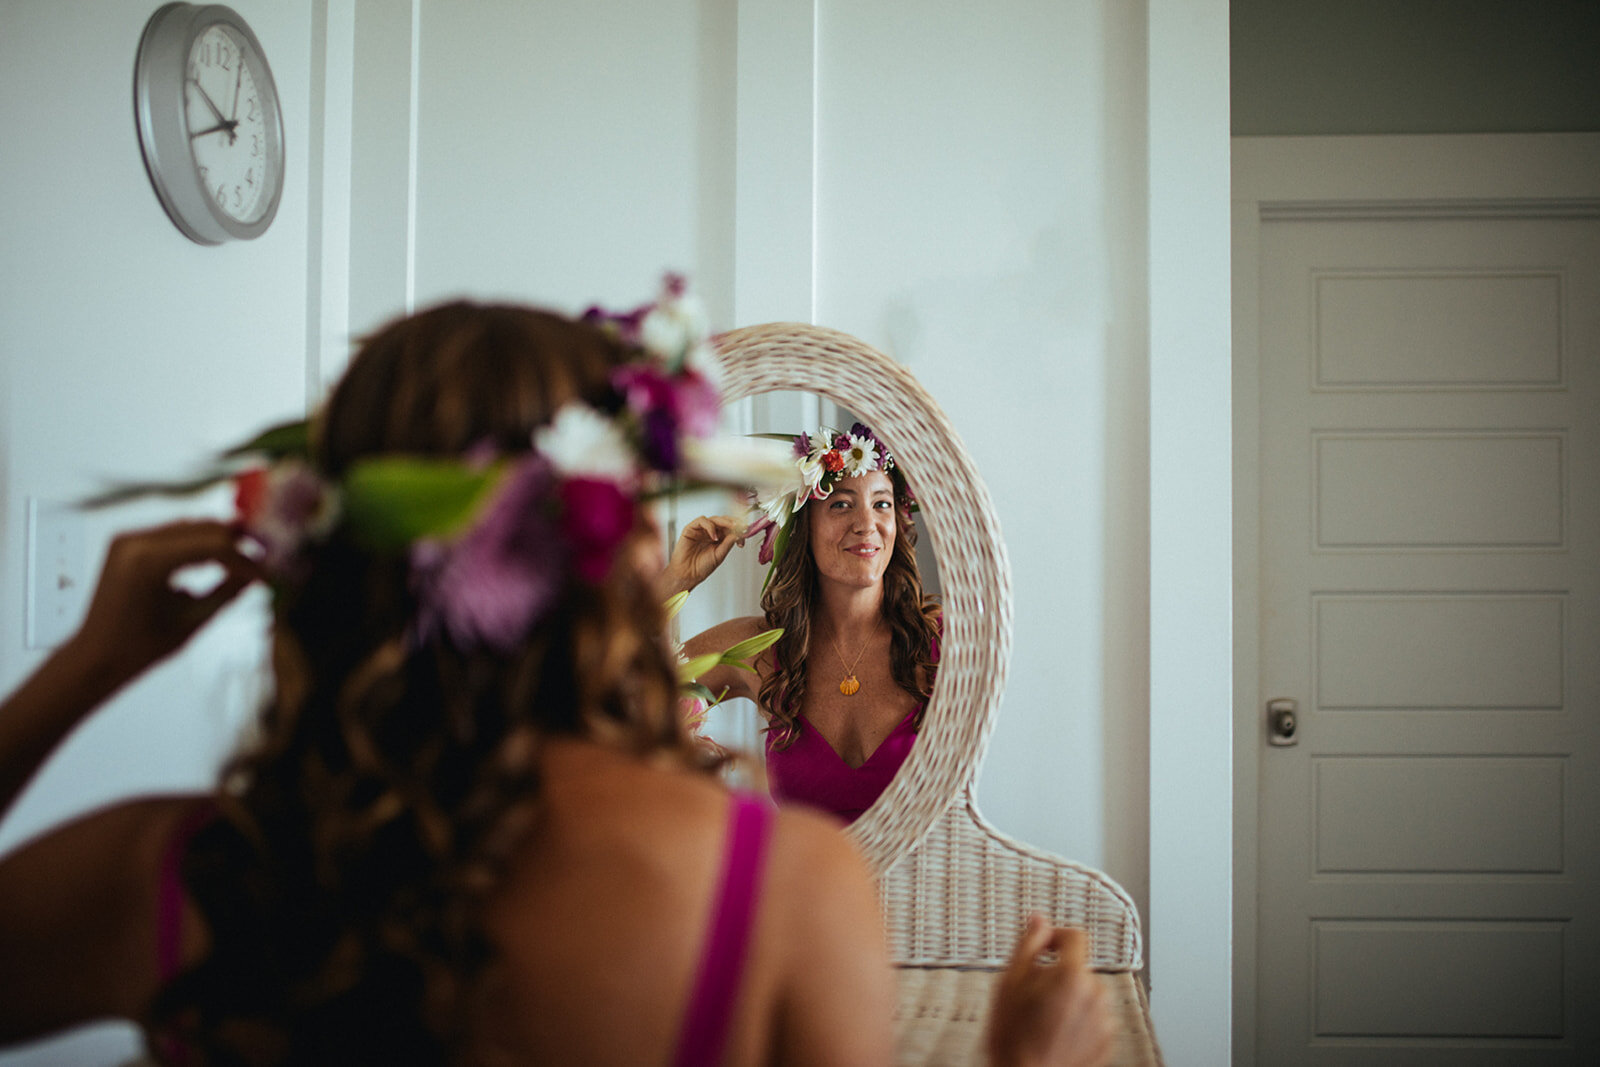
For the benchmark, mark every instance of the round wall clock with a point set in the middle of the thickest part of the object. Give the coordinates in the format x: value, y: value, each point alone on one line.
x: 209, y: 122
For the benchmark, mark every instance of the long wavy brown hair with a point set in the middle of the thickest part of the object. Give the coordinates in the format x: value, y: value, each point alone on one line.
x: 790, y: 599
x: 361, y: 833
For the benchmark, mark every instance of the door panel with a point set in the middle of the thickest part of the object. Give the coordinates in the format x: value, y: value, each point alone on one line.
x: 1429, y: 862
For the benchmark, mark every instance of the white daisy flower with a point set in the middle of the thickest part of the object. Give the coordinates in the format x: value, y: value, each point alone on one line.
x: 861, y: 456
x: 702, y: 359
x: 581, y: 441
x: 674, y: 326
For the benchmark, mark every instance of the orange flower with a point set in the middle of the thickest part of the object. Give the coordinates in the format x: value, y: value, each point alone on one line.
x: 249, y: 493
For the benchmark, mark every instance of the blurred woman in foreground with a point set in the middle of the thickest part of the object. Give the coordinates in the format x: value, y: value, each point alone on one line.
x: 470, y: 827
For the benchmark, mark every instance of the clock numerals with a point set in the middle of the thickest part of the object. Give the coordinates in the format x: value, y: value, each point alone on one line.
x: 214, y: 52
x: 209, y: 124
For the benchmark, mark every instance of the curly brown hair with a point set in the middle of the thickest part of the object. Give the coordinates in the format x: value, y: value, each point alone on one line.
x: 361, y: 833
x: 791, y: 596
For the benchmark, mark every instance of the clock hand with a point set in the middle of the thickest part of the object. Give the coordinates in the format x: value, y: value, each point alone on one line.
x: 207, y: 98
x: 223, y: 127
x: 238, y: 75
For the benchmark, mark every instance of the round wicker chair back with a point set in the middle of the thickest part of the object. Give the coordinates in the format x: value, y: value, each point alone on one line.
x: 956, y: 512
x: 954, y: 890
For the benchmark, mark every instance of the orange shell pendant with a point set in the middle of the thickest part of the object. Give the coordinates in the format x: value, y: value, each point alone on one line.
x: 849, y: 686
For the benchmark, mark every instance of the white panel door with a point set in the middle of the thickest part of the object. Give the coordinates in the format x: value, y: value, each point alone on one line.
x: 1429, y: 846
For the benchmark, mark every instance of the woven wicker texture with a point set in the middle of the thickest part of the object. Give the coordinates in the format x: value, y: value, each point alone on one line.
x: 941, y: 1014
x: 954, y: 890
x: 959, y: 898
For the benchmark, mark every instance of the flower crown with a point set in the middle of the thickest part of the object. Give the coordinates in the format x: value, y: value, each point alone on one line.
x: 821, y: 461
x: 493, y: 540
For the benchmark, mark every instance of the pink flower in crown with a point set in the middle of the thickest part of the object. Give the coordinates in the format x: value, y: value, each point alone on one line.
x: 769, y: 529
x: 596, y: 518
x: 281, y: 508
x: 489, y: 586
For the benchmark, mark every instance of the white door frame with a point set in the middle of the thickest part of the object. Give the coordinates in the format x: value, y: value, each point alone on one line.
x: 1441, y: 176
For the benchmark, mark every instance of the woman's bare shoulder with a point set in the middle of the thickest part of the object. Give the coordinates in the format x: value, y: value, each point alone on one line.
x: 837, y: 979
x: 812, y: 845
x: 80, y: 905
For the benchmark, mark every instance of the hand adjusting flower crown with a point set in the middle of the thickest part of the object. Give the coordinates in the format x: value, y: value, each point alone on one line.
x: 821, y: 461
x: 493, y: 540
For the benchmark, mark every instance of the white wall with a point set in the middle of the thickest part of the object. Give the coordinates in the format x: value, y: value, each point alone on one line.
x: 128, y: 351
x: 972, y: 221
x: 1191, y: 543
x: 570, y: 151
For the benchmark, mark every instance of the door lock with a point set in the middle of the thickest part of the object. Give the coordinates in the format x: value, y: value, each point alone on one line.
x: 1283, y: 722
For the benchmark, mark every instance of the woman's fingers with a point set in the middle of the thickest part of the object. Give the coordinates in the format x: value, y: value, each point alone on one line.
x: 706, y: 542
x: 714, y: 528
x: 136, y: 616
x: 1036, y: 936
x: 1049, y: 1010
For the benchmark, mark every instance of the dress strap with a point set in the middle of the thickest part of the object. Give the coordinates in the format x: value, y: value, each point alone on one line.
x: 169, y: 892
x: 716, y: 988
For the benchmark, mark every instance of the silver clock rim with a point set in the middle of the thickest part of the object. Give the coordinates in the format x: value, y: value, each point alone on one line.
x: 159, y: 73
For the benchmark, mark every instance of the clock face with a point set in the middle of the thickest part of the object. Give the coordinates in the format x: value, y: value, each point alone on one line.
x: 210, y: 127
x: 227, y: 124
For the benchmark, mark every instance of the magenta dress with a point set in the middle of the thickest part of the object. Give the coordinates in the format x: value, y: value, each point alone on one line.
x: 810, y: 772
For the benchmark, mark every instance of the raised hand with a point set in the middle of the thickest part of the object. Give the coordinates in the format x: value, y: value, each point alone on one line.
x: 1049, y: 1012
x: 701, y: 548
x: 136, y: 616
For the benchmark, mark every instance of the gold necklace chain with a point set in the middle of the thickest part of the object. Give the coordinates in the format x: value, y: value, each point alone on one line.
x: 850, y: 685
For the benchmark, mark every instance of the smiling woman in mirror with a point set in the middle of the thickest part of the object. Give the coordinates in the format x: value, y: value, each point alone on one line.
x: 843, y: 691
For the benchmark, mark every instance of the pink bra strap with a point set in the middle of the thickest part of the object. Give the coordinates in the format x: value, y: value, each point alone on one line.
x: 169, y: 893
x: 716, y: 989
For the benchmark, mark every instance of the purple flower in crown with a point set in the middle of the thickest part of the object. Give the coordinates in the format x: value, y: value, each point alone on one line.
x: 624, y: 324
x: 802, y: 446
x: 281, y: 508
x: 668, y: 406
x: 490, y: 586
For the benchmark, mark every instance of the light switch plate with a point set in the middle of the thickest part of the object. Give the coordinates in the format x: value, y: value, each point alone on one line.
x: 58, y: 589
